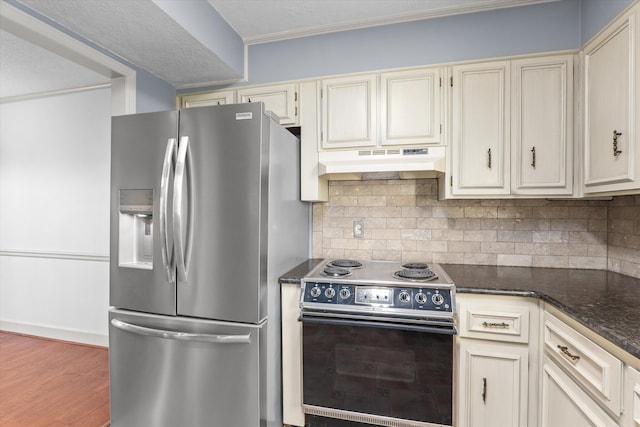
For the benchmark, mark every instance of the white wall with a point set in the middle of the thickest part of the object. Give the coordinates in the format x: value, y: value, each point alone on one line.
x: 54, y: 215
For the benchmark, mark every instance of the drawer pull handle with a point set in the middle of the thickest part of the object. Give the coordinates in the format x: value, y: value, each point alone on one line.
x: 484, y: 390
x: 495, y: 325
x: 567, y: 353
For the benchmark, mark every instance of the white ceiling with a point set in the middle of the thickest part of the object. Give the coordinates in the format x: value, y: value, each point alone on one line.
x: 143, y: 34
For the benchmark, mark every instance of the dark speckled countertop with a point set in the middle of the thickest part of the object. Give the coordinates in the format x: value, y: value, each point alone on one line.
x: 608, y: 303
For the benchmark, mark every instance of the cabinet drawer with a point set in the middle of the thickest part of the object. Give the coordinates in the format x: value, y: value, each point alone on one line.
x: 589, y: 364
x: 479, y: 318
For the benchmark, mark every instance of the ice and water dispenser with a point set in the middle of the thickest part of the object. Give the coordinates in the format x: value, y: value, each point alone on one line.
x: 136, y: 229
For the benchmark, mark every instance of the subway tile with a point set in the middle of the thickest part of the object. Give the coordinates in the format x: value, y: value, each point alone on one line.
x: 465, y: 223
x: 597, y: 250
x: 371, y: 201
x: 401, y: 201
x: 478, y: 258
x: 448, y: 212
x: 480, y: 212
x: 597, y: 225
x: 589, y: 237
x: 514, y: 260
x: 416, y: 211
x: 594, y: 263
x: 497, y: 247
x: 480, y: 235
x: 384, y: 212
x: 532, y: 224
x: 550, y: 212
x: 550, y: 261
x: 401, y: 222
x: 416, y: 234
x: 449, y: 235
x: 569, y: 224
x: 404, y: 245
x: 371, y: 244
x: 582, y: 212
x: 343, y: 244
x: 387, y: 255
x: 383, y: 233
x: 431, y: 246
x: 514, y: 212
x: 433, y: 223
x: 464, y: 246
x: 357, y: 190
x: 514, y: 236
x: 550, y: 236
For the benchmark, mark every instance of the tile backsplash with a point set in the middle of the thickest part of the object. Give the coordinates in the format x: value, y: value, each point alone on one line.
x: 404, y: 221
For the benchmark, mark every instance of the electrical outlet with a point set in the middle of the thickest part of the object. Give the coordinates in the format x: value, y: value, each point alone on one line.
x: 358, y: 229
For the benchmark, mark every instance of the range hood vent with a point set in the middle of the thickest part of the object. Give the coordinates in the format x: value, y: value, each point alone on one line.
x: 416, y: 162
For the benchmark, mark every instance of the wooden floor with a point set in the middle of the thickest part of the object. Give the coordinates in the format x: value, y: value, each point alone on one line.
x: 52, y: 383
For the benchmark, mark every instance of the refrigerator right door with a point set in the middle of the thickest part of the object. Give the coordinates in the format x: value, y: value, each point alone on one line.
x: 168, y: 372
x: 142, y: 274
x: 225, y: 275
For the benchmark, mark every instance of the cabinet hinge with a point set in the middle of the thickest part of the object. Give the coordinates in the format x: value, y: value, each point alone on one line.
x: 296, y: 111
x: 440, y: 81
x: 451, y: 81
x: 440, y: 128
x: 451, y: 181
x: 295, y: 97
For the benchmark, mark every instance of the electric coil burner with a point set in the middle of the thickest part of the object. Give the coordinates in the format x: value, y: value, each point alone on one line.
x: 378, y: 325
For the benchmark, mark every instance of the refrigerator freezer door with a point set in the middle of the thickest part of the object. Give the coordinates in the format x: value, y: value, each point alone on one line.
x: 226, y: 275
x: 140, y: 146
x: 172, y: 371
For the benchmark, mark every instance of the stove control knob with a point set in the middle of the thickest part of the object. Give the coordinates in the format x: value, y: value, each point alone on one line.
x: 437, y: 299
x: 329, y: 292
x: 421, y: 298
x: 404, y: 297
x: 345, y: 293
x: 315, y: 292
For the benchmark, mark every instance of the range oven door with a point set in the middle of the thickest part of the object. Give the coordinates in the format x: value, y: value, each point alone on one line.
x: 376, y: 375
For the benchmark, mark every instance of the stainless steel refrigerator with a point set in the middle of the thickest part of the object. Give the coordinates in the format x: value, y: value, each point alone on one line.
x: 205, y: 216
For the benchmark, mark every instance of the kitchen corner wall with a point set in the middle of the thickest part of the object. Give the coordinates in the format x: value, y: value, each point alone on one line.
x: 405, y: 221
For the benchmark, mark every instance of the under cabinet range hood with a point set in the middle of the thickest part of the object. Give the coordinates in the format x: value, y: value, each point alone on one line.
x: 414, y: 162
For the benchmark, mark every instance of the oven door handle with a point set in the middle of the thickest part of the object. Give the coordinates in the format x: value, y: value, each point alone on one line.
x: 378, y: 324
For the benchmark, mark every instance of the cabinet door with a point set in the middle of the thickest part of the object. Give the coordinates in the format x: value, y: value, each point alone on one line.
x: 493, y: 382
x: 565, y: 404
x: 480, y: 129
x: 291, y: 356
x: 610, y: 99
x: 206, y: 99
x: 411, y: 107
x: 542, y: 126
x: 631, y: 415
x: 282, y: 100
x: 349, y: 112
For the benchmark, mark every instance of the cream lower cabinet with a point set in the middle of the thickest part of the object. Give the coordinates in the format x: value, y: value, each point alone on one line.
x: 497, y: 361
x: 493, y: 380
x: 292, y: 414
x: 631, y: 416
x: 564, y: 403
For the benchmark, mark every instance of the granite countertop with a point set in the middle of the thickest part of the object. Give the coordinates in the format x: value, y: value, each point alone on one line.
x: 606, y: 302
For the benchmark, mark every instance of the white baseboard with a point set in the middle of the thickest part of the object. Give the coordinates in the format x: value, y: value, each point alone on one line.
x: 55, y: 333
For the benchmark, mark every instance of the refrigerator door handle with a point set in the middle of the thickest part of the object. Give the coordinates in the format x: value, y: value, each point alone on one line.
x: 167, y: 251
x: 181, y: 336
x: 182, y: 245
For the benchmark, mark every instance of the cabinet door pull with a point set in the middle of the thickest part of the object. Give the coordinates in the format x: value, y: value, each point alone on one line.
x: 533, y: 157
x: 616, y: 134
x: 489, y: 158
x: 484, y: 390
x: 567, y: 353
x: 495, y: 325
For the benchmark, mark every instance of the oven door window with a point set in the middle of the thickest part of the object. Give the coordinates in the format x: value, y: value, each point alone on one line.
x: 406, y: 375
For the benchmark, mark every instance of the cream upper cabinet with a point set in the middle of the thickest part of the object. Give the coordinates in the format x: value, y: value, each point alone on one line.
x: 480, y: 129
x: 612, y: 76
x: 542, y: 126
x: 411, y: 107
x: 512, y: 128
x: 206, y: 99
x: 349, y: 112
x: 281, y: 99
